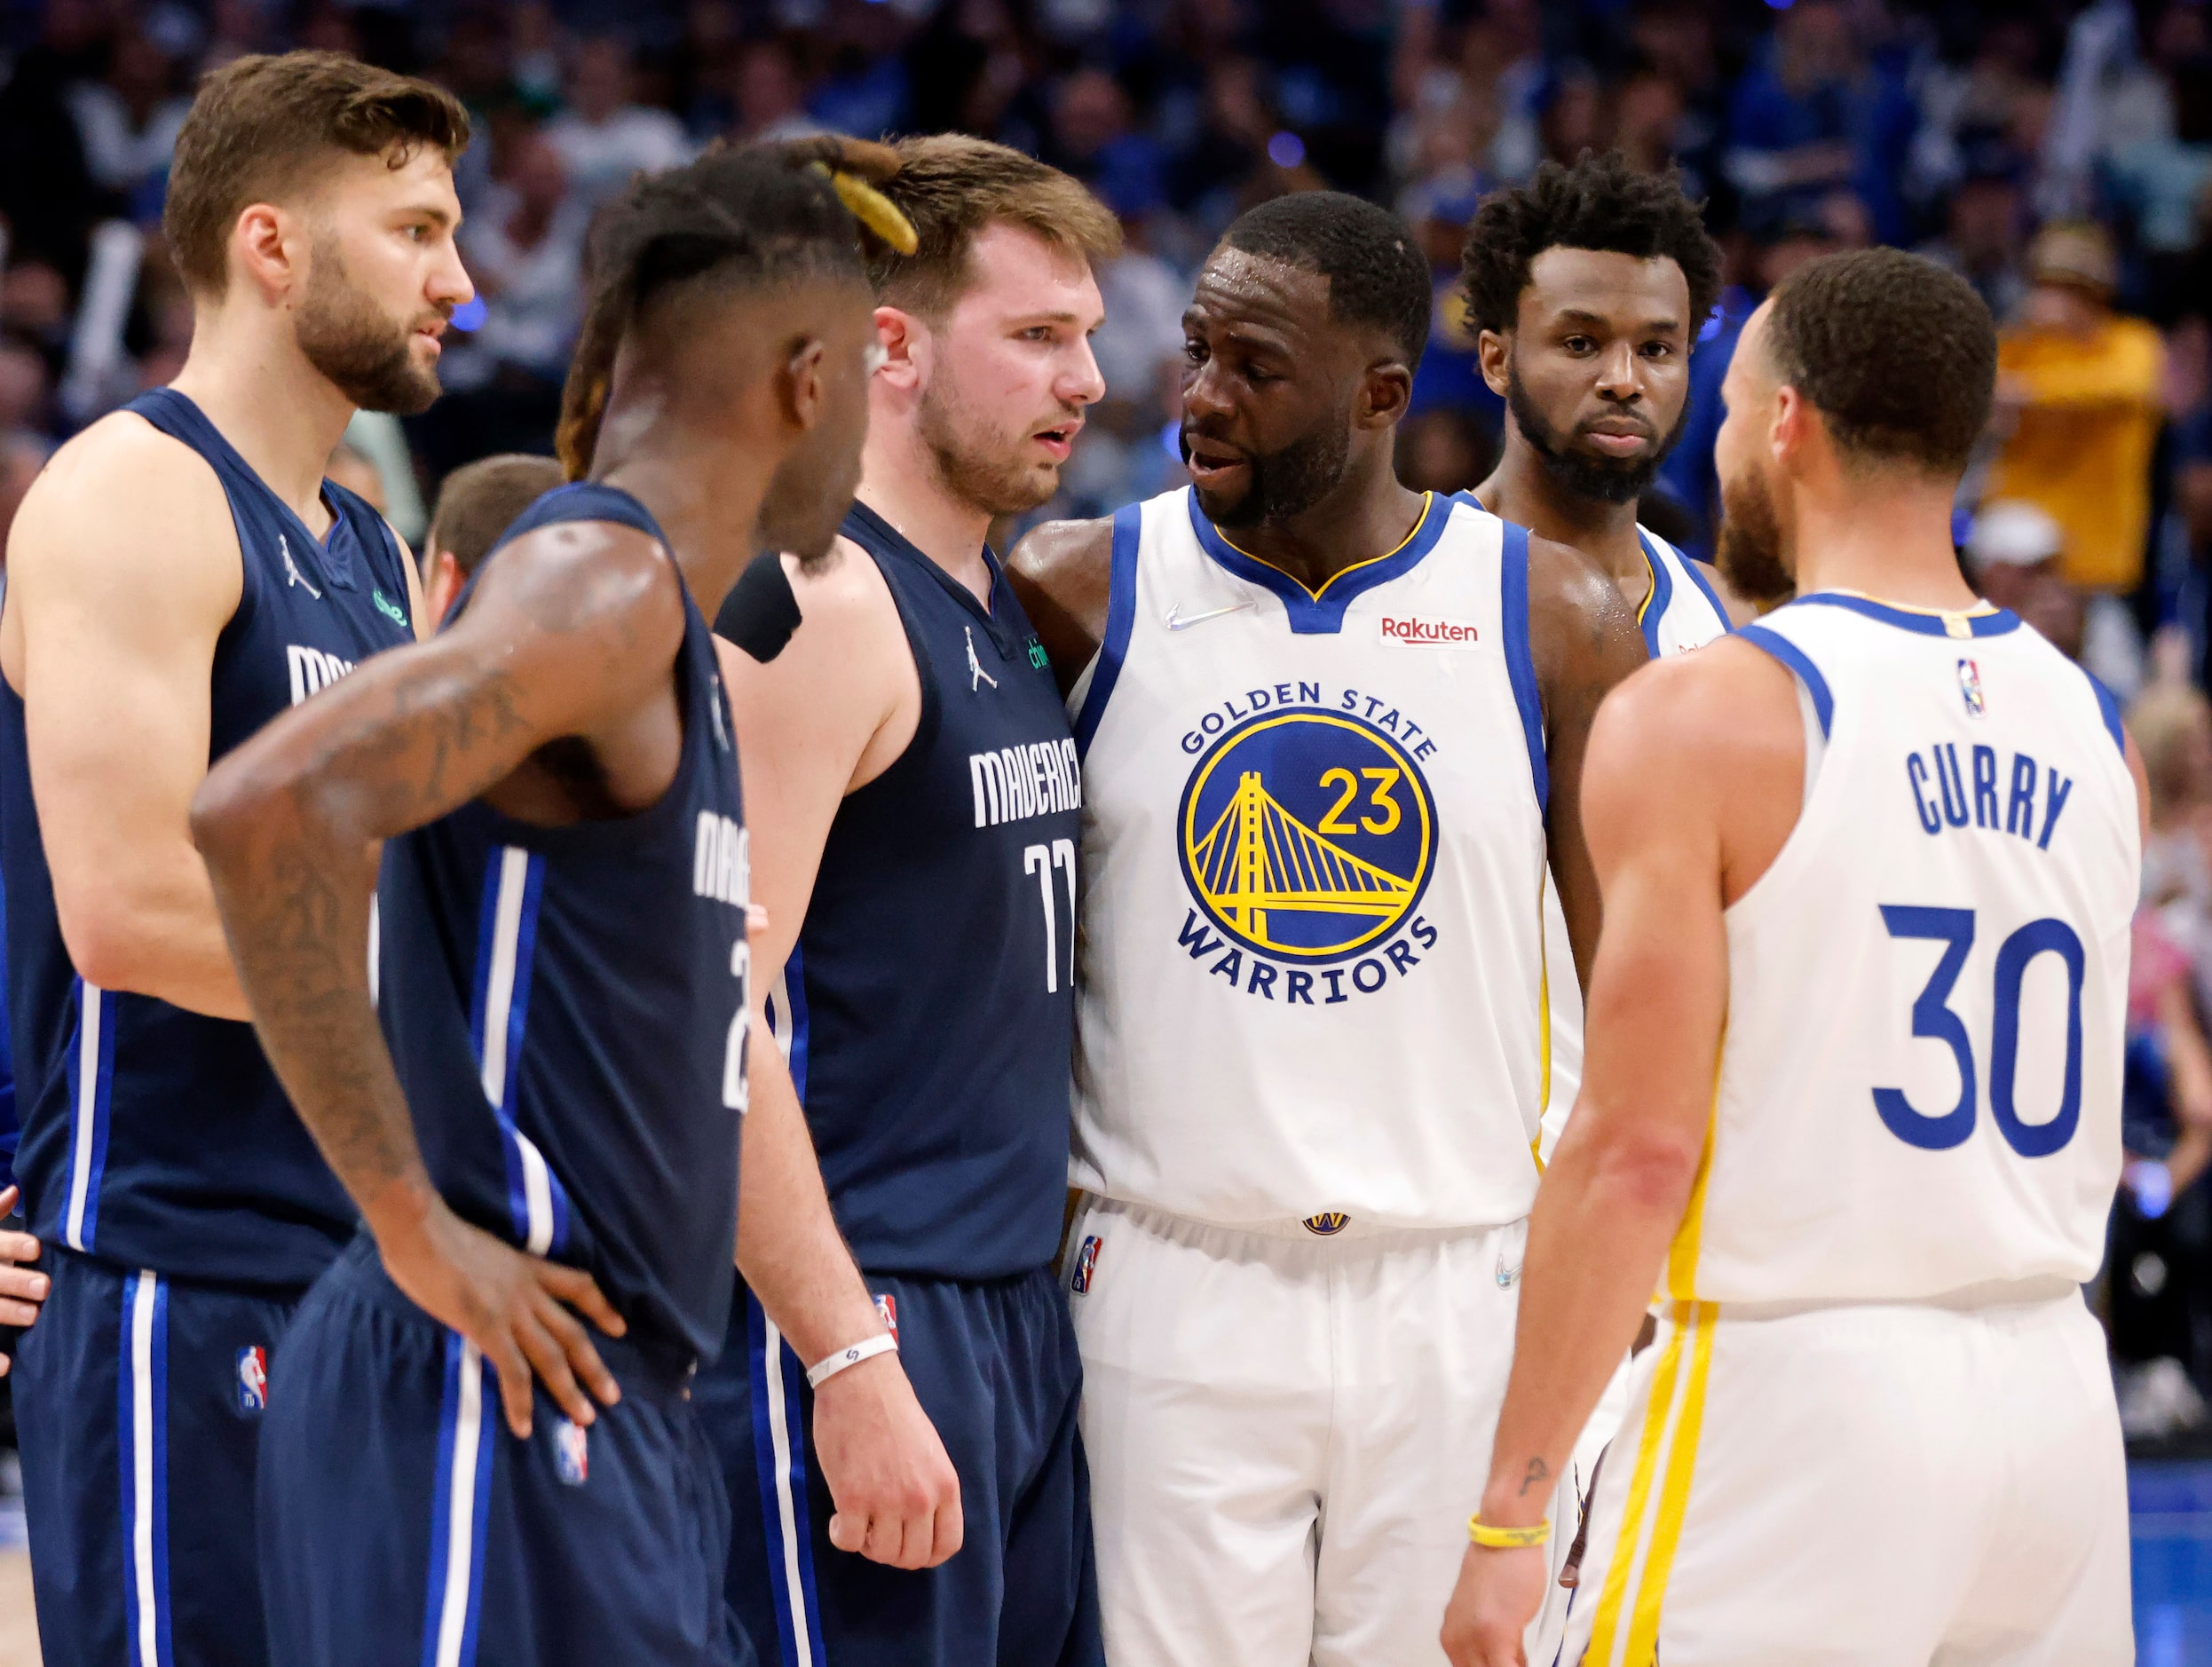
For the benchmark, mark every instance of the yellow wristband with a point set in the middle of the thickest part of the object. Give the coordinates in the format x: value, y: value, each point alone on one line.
x: 1506, y: 1539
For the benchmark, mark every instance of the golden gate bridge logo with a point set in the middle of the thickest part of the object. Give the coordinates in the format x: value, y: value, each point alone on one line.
x: 1307, y: 834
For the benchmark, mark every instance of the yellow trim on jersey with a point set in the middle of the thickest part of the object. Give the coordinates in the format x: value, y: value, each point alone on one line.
x: 1980, y: 609
x: 1675, y: 1434
x: 1651, y: 568
x: 1428, y: 503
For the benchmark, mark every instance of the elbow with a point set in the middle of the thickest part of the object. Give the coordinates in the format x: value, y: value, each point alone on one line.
x: 1650, y: 1171
x: 224, y: 810
x: 108, y: 949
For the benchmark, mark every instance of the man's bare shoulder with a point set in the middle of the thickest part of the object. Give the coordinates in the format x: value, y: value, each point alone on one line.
x: 124, y: 473
x: 1062, y: 571
x: 1726, y: 701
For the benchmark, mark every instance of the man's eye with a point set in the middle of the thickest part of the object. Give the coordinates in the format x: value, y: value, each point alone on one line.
x: 1578, y: 343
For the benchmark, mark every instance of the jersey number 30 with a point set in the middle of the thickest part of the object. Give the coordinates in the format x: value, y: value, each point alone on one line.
x: 1933, y: 1017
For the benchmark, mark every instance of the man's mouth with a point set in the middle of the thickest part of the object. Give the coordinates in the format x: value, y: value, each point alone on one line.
x: 1614, y: 437
x: 1059, y: 440
x: 1210, y: 461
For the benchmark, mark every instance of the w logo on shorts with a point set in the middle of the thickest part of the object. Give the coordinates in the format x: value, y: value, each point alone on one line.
x: 253, y: 1379
x: 1085, y: 1264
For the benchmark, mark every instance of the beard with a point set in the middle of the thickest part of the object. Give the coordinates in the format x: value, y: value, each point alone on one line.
x: 362, y: 352
x: 1600, y: 479
x: 1749, y: 545
x: 980, y: 468
x: 1288, y: 482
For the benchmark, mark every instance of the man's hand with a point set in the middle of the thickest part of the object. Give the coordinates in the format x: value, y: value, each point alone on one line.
x: 509, y: 1305
x: 897, y: 1498
x: 21, y: 1288
x: 1498, y: 1594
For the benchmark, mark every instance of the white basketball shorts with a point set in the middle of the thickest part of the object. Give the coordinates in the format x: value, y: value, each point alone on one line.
x: 1878, y: 1485
x: 1287, y: 1434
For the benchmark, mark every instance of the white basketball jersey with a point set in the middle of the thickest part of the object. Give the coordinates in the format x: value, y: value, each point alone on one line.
x: 1311, y: 952
x: 1680, y: 612
x: 1919, y: 1085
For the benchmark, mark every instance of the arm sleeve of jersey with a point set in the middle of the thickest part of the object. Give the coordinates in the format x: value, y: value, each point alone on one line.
x: 760, y: 613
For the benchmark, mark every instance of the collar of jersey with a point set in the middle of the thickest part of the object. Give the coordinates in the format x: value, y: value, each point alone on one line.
x: 1983, y: 622
x: 1321, y: 612
x: 1655, y: 599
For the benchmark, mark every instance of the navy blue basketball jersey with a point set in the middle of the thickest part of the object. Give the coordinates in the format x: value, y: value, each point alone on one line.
x: 154, y: 1137
x: 567, y: 1007
x: 929, y: 1004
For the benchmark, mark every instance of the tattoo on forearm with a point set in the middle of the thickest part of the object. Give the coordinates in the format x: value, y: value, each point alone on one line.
x: 1538, y: 1472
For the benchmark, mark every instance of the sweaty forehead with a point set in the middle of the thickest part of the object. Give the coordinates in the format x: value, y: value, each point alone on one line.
x: 1260, y: 295
x: 1627, y: 290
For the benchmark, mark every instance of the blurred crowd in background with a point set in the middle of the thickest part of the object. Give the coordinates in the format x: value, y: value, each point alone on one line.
x: 2057, y: 156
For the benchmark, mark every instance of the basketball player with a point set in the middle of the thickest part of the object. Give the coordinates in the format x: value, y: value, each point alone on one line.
x: 475, y: 503
x: 547, y: 1127
x: 179, y: 574
x: 915, y: 792
x: 1877, y: 857
x: 1332, y: 734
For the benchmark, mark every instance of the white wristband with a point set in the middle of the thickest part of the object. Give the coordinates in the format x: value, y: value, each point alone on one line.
x: 823, y: 1370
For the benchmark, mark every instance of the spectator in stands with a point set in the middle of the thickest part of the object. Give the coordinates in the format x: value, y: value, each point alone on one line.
x: 604, y: 138
x: 1985, y: 229
x: 127, y: 122
x: 771, y: 96
x: 525, y: 248
x: 476, y: 505
x: 2079, y: 406
x: 2016, y: 558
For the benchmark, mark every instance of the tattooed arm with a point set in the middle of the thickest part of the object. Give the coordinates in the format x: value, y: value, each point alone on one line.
x: 572, y: 633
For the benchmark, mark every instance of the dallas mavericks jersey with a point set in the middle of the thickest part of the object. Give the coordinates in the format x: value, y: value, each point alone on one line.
x: 929, y: 1005
x: 1919, y: 1089
x: 1313, y: 854
x: 155, y: 1137
x: 567, y: 1007
x: 1680, y: 611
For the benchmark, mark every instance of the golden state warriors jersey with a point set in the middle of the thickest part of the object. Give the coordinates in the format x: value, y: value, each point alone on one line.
x: 1311, y: 947
x: 1919, y: 1086
x: 1680, y: 612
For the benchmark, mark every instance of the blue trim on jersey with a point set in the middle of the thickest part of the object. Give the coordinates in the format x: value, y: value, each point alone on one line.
x: 1121, y: 618
x: 515, y: 1147
x: 1321, y: 613
x: 1794, y: 659
x: 795, y: 994
x: 1662, y: 597
x: 442, y: 1524
x: 2109, y: 703
x: 1997, y: 624
x: 80, y: 1218
x: 1520, y: 666
x: 518, y: 1017
x: 783, y: 1487
x: 1696, y: 571
x: 157, y: 1577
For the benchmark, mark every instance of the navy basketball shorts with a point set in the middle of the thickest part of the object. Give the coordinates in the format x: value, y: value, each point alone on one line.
x: 139, y: 1403
x: 403, y: 1525
x: 994, y: 1365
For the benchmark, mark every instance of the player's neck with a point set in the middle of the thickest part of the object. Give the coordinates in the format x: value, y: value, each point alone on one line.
x: 1892, y: 544
x: 902, y: 482
x: 707, y: 495
x: 1368, y: 515
x: 1521, y: 489
x: 279, y: 413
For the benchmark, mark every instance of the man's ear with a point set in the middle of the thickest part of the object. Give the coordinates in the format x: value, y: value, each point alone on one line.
x: 268, y: 248
x: 1494, y: 353
x: 442, y: 579
x: 1384, y: 392
x: 799, y: 384
x: 905, y: 341
x: 1792, y: 427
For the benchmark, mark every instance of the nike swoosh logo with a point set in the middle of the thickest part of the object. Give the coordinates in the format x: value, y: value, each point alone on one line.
x: 1178, y: 621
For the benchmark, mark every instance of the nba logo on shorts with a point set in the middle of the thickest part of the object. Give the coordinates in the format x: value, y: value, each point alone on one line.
x: 1969, y: 689
x: 572, y: 1452
x: 1085, y: 1264
x: 253, y: 1379
x: 887, y: 1309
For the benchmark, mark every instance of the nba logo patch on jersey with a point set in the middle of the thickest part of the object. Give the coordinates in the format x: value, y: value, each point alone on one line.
x: 572, y: 1452
x: 1969, y: 689
x: 253, y: 1379
x: 887, y: 1311
x: 1306, y: 833
x: 1085, y: 1265
x: 1327, y: 1223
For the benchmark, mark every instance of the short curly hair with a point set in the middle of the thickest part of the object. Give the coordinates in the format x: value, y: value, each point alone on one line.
x: 1897, y: 354
x: 1603, y: 202
x: 1370, y: 257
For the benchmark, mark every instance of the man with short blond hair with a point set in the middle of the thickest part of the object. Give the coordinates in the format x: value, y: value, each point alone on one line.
x: 905, y: 1475
x: 179, y: 575
x: 475, y: 505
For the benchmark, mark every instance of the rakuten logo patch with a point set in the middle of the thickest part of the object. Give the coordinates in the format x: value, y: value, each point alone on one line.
x: 1406, y: 632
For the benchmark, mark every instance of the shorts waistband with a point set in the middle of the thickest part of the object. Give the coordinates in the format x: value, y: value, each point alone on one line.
x: 661, y: 1376
x: 2024, y: 1297
x: 1326, y: 1227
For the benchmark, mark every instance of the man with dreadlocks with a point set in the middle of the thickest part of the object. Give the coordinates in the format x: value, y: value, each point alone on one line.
x: 545, y: 1131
